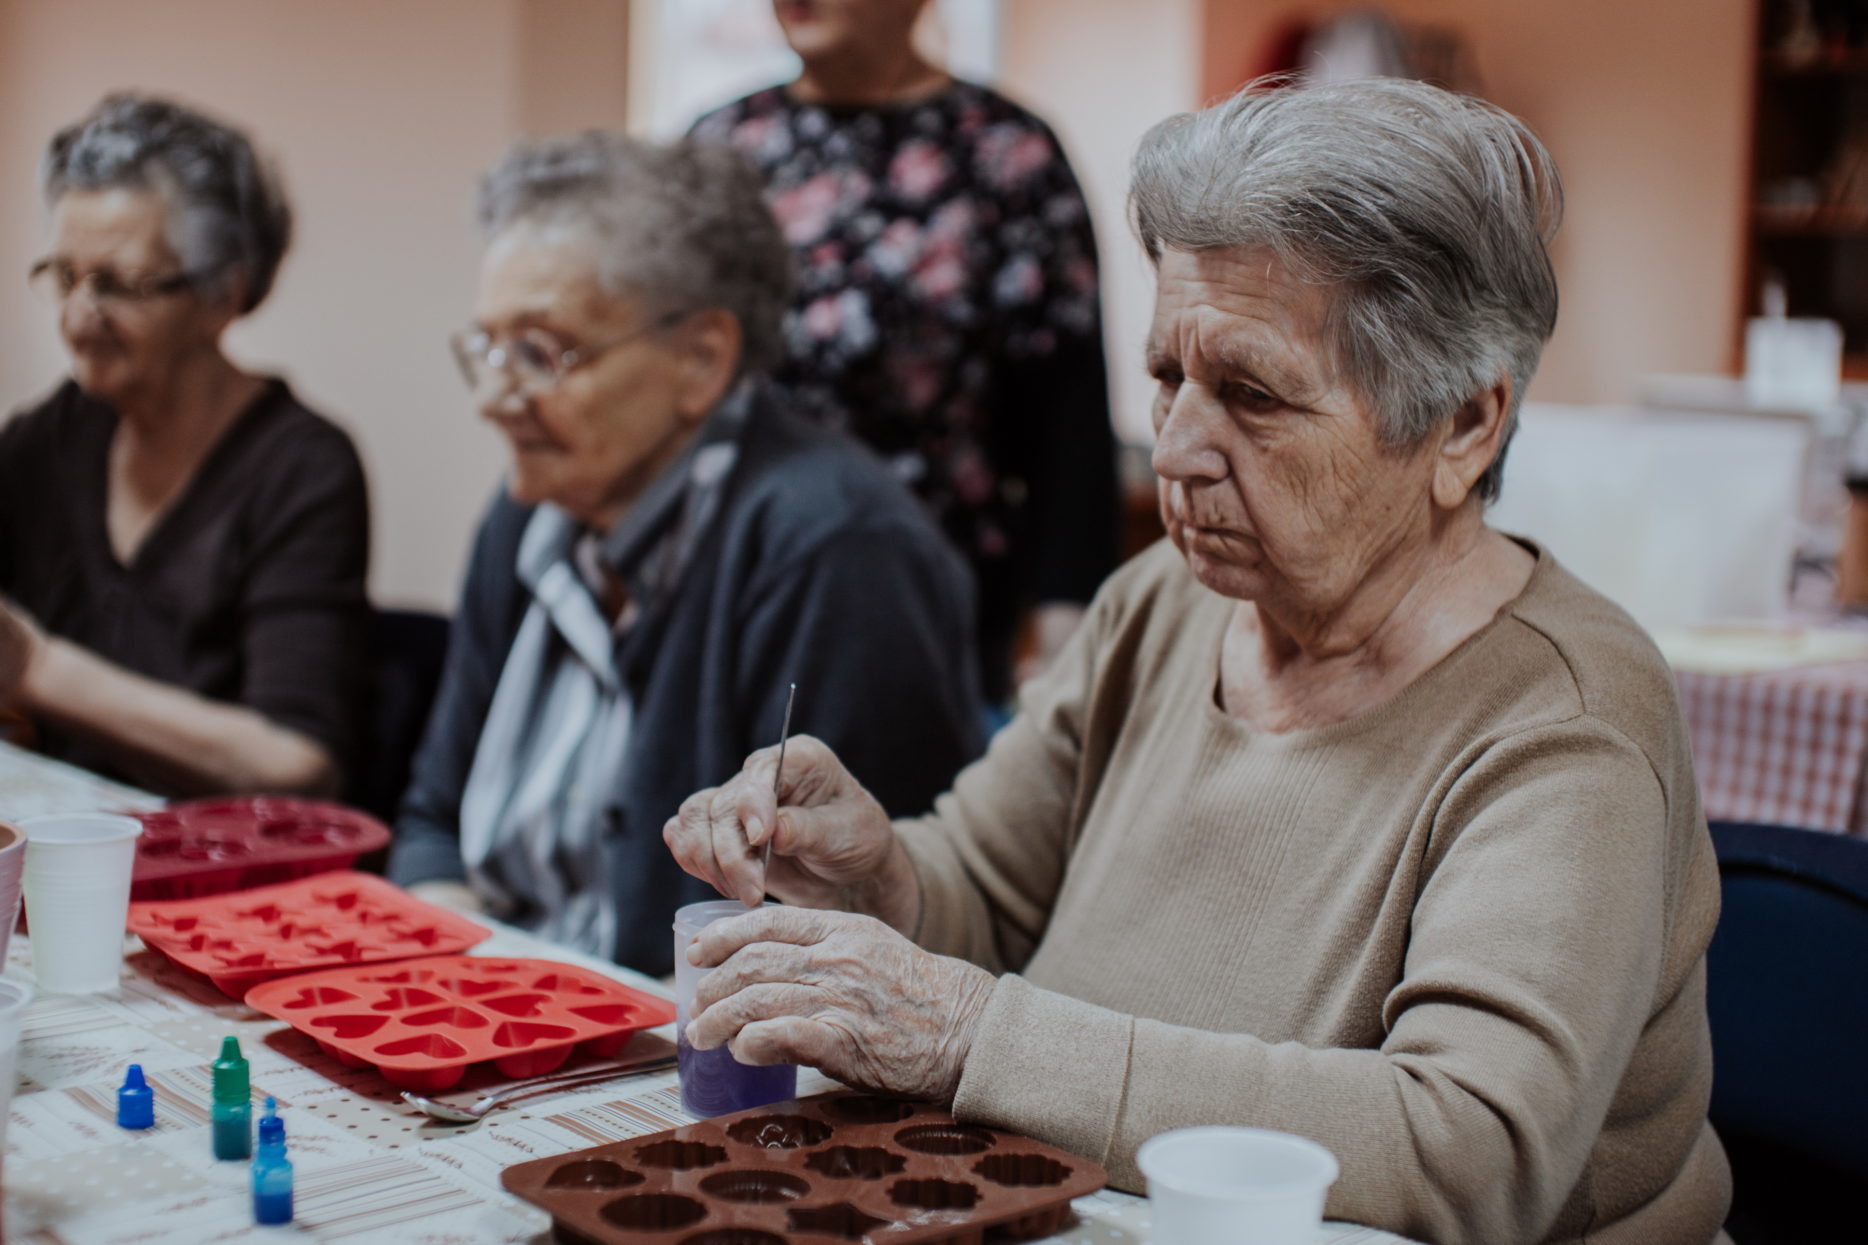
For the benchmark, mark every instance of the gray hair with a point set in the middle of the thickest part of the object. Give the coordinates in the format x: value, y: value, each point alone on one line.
x: 228, y: 216
x: 1429, y: 213
x: 682, y: 225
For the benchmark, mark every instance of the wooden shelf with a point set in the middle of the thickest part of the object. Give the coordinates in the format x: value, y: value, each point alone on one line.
x: 1821, y: 222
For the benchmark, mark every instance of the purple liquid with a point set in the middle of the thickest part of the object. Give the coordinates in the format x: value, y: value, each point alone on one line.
x: 714, y: 1083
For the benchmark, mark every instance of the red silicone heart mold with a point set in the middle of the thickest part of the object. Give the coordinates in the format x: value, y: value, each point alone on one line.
x: 210, y: 847
x: 424, y: 1023
x: 837, y: 1167
x: 239, y: 940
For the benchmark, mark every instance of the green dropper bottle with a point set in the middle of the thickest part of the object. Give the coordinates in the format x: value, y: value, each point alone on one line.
x: 232, y: 1115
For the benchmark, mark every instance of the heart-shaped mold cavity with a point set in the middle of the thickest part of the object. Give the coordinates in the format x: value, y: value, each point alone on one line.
x: 841, y: 1219
x: 563, y: 983
x: 425, y: 936
x: 318, y: 996
x: 343, y: 901
x: 516, y: 1033
x: 934, y: 1194
x: 159, y: 850
x: 349, y: 949
x: 735, y: 1236
x: 210, y: 847
x: 1022, y: 1171
x: 946, y: 1139
x: 388, y: 979
x: 280, y: 828
x: 255, y: 959
x: 468, y: 988
x: 499, y: 966
x: 348, y: 1027
x: 428, y: 1045
x: 679, y: 1155
x: 654, y: 1212
x: 180, y: 924
x: 867, y: 1109
x: 267, y: 912
x: 453, y: 1017
x: 606, y: 1013
x: 287, y: 930
x: 406, y: 996
x: 516, y: 1004
x: 755, y: 1186
x: 856, y: 1162
x: 328, y: 835
x: 779, y: 1132
x: 593, y: 1174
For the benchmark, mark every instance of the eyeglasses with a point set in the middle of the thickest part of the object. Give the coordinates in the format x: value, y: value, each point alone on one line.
x: 534, y: 360
x: 56, y: 280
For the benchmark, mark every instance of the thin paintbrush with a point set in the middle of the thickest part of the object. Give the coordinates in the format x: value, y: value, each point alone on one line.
x: 778, y: 778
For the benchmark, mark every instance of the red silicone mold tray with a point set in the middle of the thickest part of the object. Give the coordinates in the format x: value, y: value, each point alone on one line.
x: 237, y: 941
x: 834, y: 1168
x: 209, y: 847
x: 425, y: 1022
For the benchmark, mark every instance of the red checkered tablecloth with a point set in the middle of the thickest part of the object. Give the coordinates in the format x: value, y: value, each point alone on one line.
x: 1785, y: 748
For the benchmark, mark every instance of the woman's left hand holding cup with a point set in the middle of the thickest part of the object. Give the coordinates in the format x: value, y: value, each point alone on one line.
x: 842, y: 993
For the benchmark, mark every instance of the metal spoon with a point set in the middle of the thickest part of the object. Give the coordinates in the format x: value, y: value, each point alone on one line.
x: 447, y: 1113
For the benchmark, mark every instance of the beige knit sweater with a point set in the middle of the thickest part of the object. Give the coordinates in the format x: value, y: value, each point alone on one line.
x: 1458, y: 939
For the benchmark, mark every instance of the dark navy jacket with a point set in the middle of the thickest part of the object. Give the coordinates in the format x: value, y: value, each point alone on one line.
x: 818, y: 569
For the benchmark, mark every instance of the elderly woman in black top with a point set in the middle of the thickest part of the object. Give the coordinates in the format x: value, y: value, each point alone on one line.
x: 673, y: 550
x: 182, y: 544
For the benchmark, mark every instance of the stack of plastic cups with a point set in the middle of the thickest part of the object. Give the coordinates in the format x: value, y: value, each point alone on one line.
x: 712, y: 1081
x: 12, y: 861
x: 77, y: 887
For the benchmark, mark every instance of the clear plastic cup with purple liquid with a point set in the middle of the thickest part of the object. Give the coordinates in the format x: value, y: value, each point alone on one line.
x: 712, y: 1081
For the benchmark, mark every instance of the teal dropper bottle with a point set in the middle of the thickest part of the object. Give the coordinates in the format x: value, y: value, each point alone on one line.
x: 272, y: 1171
x: 232, y: 1114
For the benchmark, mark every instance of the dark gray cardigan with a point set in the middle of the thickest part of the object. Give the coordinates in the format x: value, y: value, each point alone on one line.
x: 819, y: 569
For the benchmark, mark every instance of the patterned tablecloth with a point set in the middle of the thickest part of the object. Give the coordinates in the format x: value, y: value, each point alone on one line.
x: 1783, y: 747
x: 368, y: 1168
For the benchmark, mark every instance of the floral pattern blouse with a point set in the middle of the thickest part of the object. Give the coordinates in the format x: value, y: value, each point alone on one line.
x: 947, y: 314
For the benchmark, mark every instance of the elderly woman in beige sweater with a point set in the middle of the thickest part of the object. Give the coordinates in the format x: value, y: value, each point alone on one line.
x: 1344, y: 814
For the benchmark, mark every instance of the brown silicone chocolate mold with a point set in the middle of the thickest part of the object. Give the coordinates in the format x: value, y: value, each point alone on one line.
x: 830, y: 1170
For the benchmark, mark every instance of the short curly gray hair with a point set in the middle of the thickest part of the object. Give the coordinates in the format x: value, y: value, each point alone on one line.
x: 683, y: 225
x: 1430, y: 213
x: 228, y: 216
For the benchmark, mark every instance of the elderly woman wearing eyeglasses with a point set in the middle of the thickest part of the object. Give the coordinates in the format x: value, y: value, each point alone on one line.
x: 672, y: 550
x: 182, y: 543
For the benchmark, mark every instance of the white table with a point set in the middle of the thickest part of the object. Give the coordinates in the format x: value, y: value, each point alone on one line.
x: 368, y: 1168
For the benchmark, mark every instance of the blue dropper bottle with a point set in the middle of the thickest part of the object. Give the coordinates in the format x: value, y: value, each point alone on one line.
x: 272, y: 1171
x: 136, y: 1102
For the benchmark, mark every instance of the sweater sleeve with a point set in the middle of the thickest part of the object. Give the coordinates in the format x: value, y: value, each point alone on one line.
x: 1533, y: 965
x: 304, y: 609
x: 991, y: 857
x: 872, y: 625
x: 427, y: 843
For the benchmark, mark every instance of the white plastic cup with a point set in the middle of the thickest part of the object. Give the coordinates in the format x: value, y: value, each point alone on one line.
x: 77, y: 884
x: 1236, y: 1186
x: 14, y: 995
x: 712, y: 1081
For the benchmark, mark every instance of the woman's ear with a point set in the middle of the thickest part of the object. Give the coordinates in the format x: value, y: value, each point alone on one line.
x: 1472, y: 443
x: 710, y: 344
x: 220, y: 305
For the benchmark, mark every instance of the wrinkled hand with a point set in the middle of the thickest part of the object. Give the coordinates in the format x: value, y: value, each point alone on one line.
x: 838, y: 992
x: 20, y: 645
x: 828, y: 835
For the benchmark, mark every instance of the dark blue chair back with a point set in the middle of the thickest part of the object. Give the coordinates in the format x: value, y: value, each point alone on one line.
x: 1787, y: 993
x: 408, y: 648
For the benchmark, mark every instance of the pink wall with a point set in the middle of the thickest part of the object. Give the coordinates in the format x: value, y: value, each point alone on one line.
x: 1646, y: 108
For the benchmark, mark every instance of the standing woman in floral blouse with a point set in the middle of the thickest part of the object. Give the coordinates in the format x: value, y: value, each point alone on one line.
x: 947, y: 307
